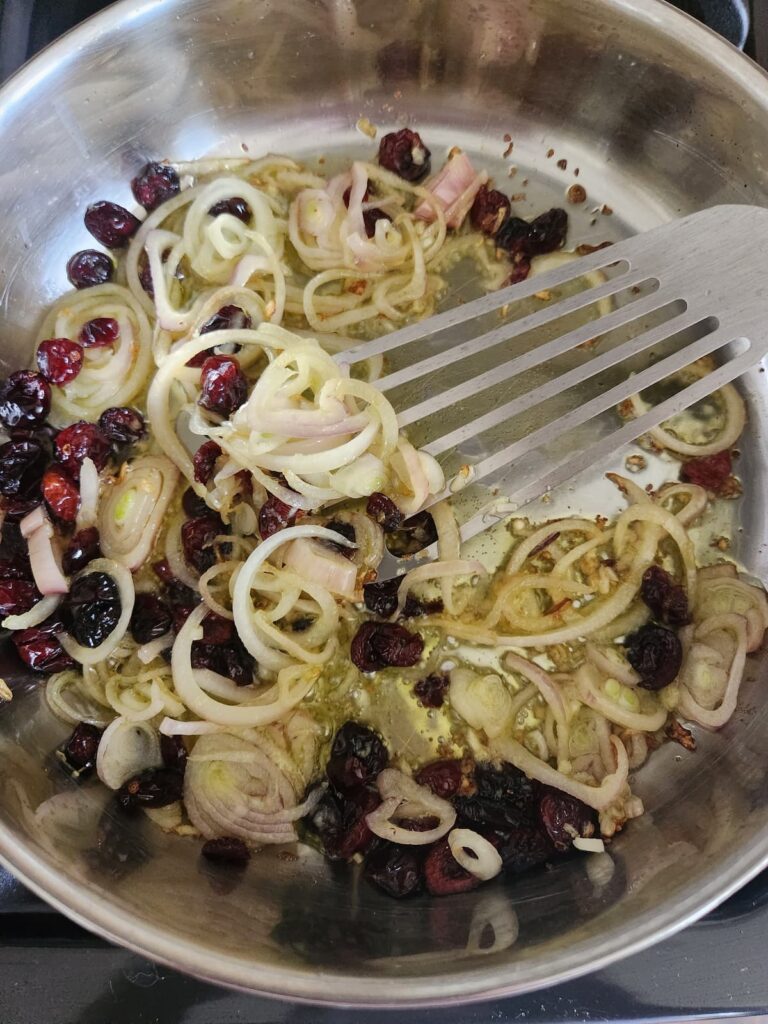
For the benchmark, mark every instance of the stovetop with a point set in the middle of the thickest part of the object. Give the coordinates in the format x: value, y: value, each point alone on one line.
x: 53, y: 972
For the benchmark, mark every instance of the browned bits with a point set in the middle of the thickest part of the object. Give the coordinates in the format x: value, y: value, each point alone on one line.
x: 563, y: 165
x: 678, y: 733
x: 584, y: 249
x: 606, y: 210
x: 576, y: 194
x: 550, y: 154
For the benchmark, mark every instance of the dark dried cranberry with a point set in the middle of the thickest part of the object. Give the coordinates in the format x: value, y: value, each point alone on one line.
x: 275, y: 515
x: 547, y: 232
x: 155, y: 787
x: 40, y: 650
x: 22, y: 464
x: 394, y: 869
x: 226, y: 850
x: 564, y: 817
x: 411, y: 536
x: 16, y: 595
x: 381, y: 597
x: 347, y: 531
x: 520, y: 271
x: 525, y: 848
x: 224, y: 387
x: 431, y: 691
x: 443, y: 873
x: 93, y: 608
x: 173, y: 752
x: 656, y: 654
x: 357, y: 756
x: 709, y: 471
x: 181, y: 599
x: 371, y: 218
x: 145, y: 275
x: 505, y: 799
x: 217, y: 629
x: 197, y: 536
x: 82, y: 549
x: 99, y: 332
x: 193, y: 504
x: 163, y: 571
x: 25, y: 399
x: 444, y: 778
x: 228, y: 318
x: 59, y: 360
x: 81, y: 441
x: 236, y: 206
x: 354, y: 835
x: 15, y: 510
x: 230, y: 659
x: 666, y: 599
x: 384, y: 511
x: 378, y: 645
x: 204, y: 461
x: 111, y: 224
x: 80, y: 749
x: 89, y: 267
x: 489, y: 210
x: 154, y: 184
x: 512, y: 236
x: 122, y: 425
x: 60, y: 493
x: 405, y: 154
x: 150, y: 618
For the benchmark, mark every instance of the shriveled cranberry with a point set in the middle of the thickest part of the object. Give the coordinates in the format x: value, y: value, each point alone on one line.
x: 59, y: 360
x: 22, y: 464
x: 384, y: 511
x: 80, y: 749
x: 224, y: 387
x: 204, y: 461
x: 354, y: 836
x: 524, y: 848
x: 15, y: 510
x: 16, y: 595
x: 547, y: 232
x: 231, y: 660
x: 81, y: 441
x: 709, y: 471
x: 411, y: 536
x: 226, y: 850
x: 394, y: 869
x: 489, y: 210
x: 173, y: 752
x: 39, y: 649
x: 520, y: 271
x: 145, y: 275
x: 378, y: 645
x: 345, y: 530
x: 197, y: 536
x: 122, y: 425
x: 82, y: 549
x: 358, y: 754
x: 431, y: 691
x: 656, y: 654
x: 154, y: 184
x: 512, y: 235
x: 505, y: 799
x: 443, y: 873
x: 404, y: 153
x: 444, y: 778
x: 275, y: 515
x: 371, y: 218
x: 25, y: 399
x: 60, y: 493
x: 155, y: 787
x: 564, y: 817
x: 89, y: 267
x: 193, y: 504
x: 236, y: 206
x: 162, y: 569
x: 99, y: 332
x: 381, y: 596
x: 228, y: 318
x: 181, y: 599
x: 93, y: 608
x: 666, y: 599
x: 217, y: 629
x: 150, y: 618
x: 111, y: 224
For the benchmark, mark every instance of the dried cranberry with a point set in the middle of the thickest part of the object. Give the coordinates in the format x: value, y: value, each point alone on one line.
x: 15, y: 510
x: 81, y: 441
x: 99, y: 332
x: 275, y: 515
x: 217, y: 629
x: 431, y: 691
x: 394, y: 869
x: 444, y: 778
x: 145, y: 275
x: 224, y: 387
x: 59, y: 360
x: 93, y: 608
x: 354, y: 835
x: 25, y: 399
x: 564, y: 817
x: 505, y: 799
x: 547, y: 232
x: 666, y: 599
x: 381, y: 596
x: 163, y: 571
x: 384, y: 511
x: 404, y: 154
x: 155, y: 787
x: 230, y: 659
x: 512, y: 235
x: 357, y: 756
x: 154, y: 184
x: 520, y: 271
x: 80, y: 749
x: 656, y: 654
x: 378, y: 645
x: 443, y: 873
x: 226, y: 850
x: 228, y: 318
x: 193, y: 504
x: 181, y: 600
x: 197, y: 536
x: 173, y: 752
x: 709, y: 471
x: 22, y: 464
x: 236, y: 206
x: 489, y: 210
x: 60, y: 493
x: 411, y: 536
x: 89, y: 267
x: 82, y: 549
x: 111, y: 224
x: 150, y: 618
x: 40, y: 650
x: 524, y: 848
x: 345, y: 530
x: 122, y: 425
x: 16, y: 595
x: 204, y: 461
x: 371, y: 218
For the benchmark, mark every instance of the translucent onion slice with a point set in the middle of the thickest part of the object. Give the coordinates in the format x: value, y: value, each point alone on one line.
x: 125, y: 749
x: 474, y: 853
x: 435, y: 571
x: 406, y: 798
x: 627, y: 709
x: 715, y: 718
x: 89, y: 495
x: 612, y: 664
x: 44, y: 559
x: 484, y: 702
x: 67, y: 700
x: 320, y: 565
x: 124, y: 581
x: 133, y: 509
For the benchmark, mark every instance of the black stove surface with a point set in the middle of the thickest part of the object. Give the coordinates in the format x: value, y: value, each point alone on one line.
x: 53, y: 972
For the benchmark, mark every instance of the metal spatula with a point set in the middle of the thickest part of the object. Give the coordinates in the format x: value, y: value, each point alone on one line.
x: 477, y: 381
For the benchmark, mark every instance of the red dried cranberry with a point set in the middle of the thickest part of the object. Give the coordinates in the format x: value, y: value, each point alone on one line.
x: 193, y: 504
x: 378, y: 645
x: 226, y: 850
x: 22, y: 464
x: 444, y: 778
x: 181, y: 600
x: 524, y: 848
x: 709, y: 471
x: 384, y: 511
x: 150, y: 618
x: 40, y: 650
x: 656, y: 654
x: 394, y: 869
x: 547, y: 232
x: 231, y: 660
x: 411, y: 536
x: 154, y: 184
x: 520, y: 271
x: 99, y: 332
x: 89, y: 267
x: 82, y: 549
x: 60, y: 493
x: 405, y: 154
x: 355, y: 836
x: 224, y: 387
x: 173, y: 752
x: 155, y: 787
x: 236, y: 206
x: 512, y: 235
x: 25, y: 399
x: 111, y: 224
x: 197, y: 536
x: 217, y: 629
x: 563, y: 816
x: 16, y: 595
x: 358, y: 754
x: 275, y: 515
x: 16, y: 509
x: 381, y: 596
x: 163, y: 571
x: 666, y: 599
x: 80, y: 749
x: 59, y: 360
x: 204, y: 461
x: 443, y: 873
x: 371, y: 218
x: 228, y: 318
x: 93, y: 608
x: 81, y: 441
x: 489, y: 210
x: 431, y: 691
x: 504, y: 799
x: 122, y: 425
